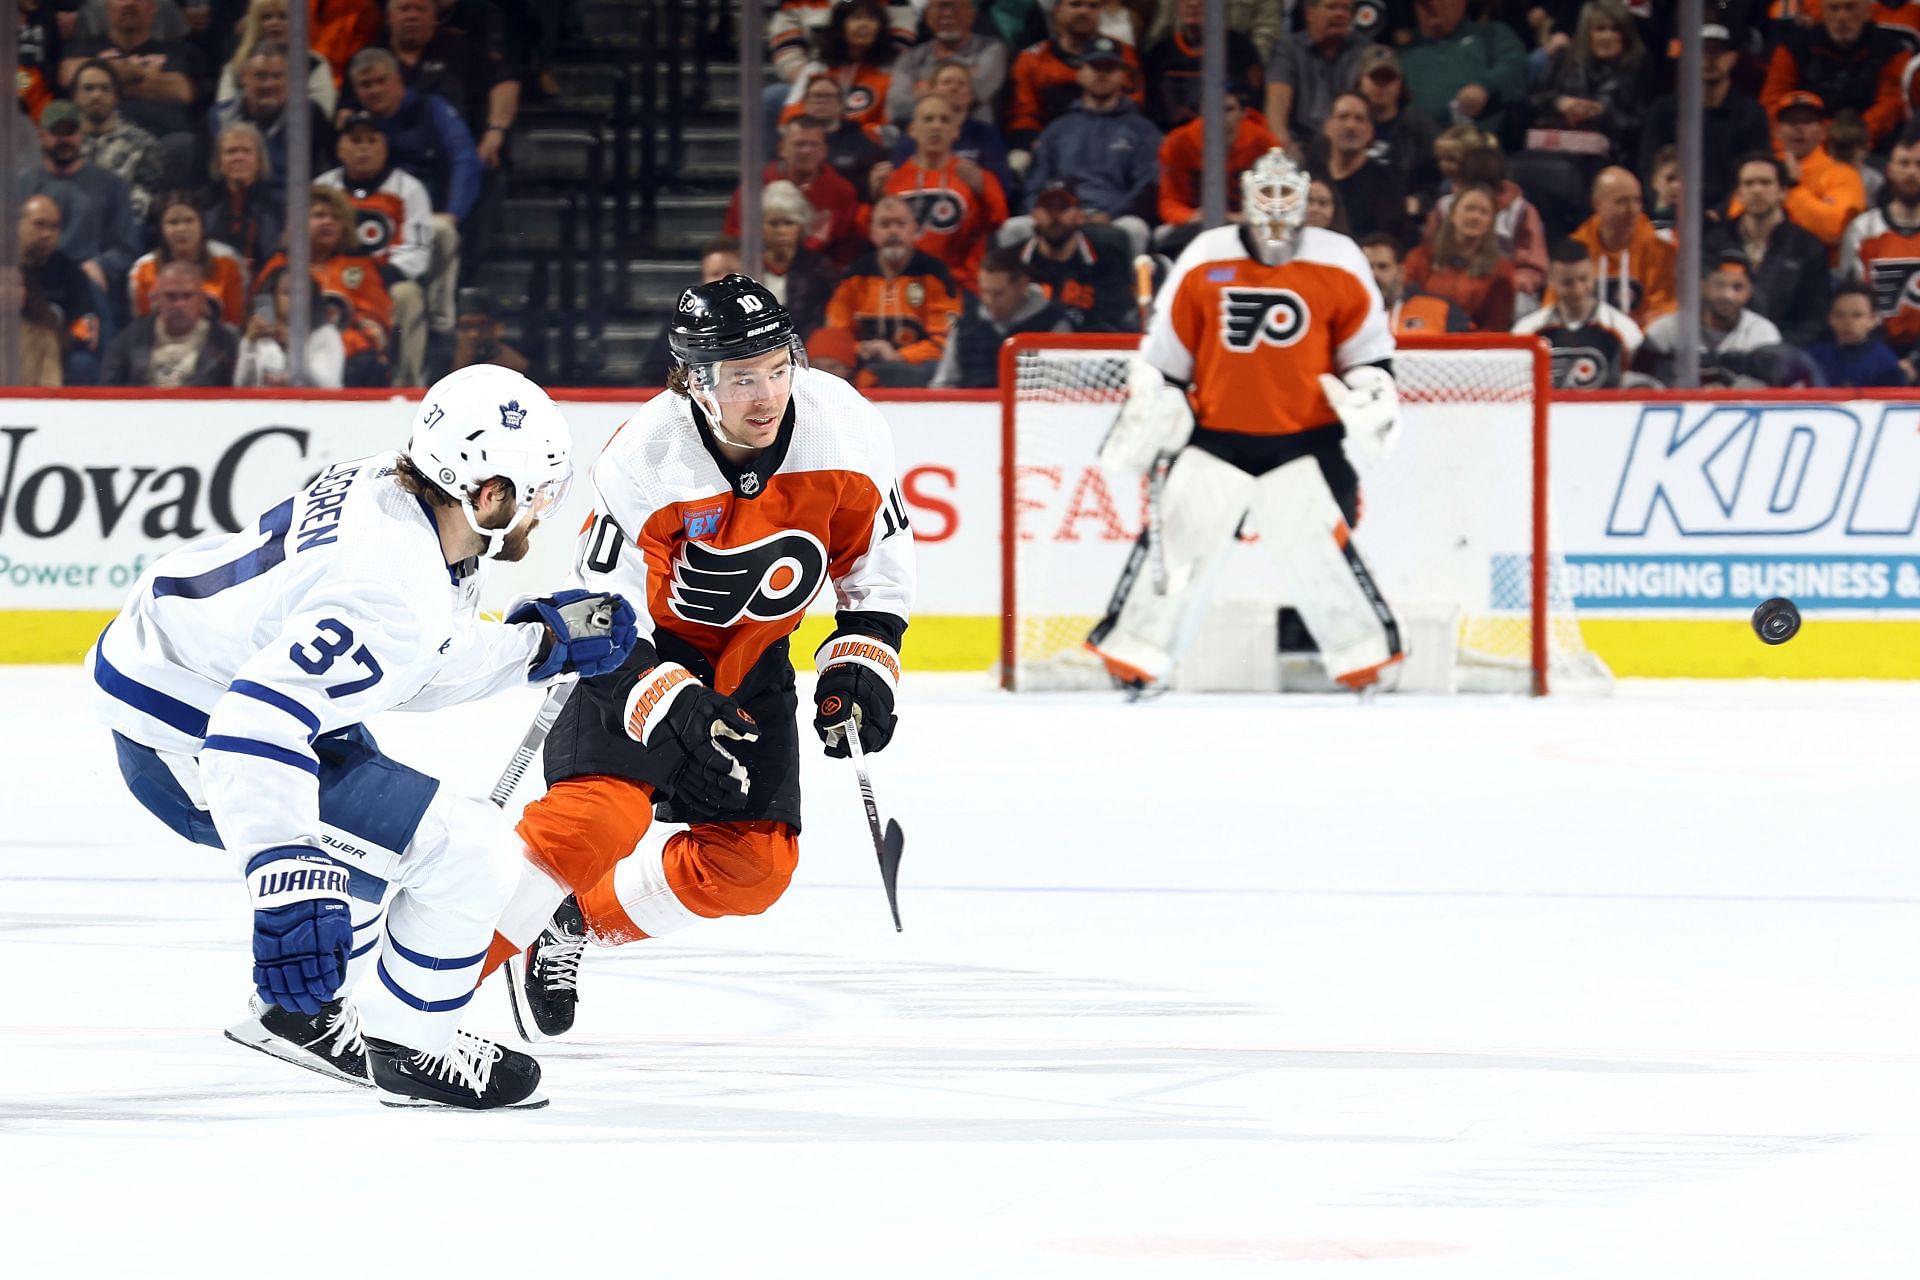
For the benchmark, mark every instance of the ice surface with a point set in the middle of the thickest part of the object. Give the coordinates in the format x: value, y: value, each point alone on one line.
x: 1213, y: 986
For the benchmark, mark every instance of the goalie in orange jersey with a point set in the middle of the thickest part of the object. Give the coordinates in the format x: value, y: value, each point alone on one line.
x: 1267, y: 352
x: 721, y: 509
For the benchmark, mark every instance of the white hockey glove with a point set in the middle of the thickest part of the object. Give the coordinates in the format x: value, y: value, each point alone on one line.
x: 1369, y: 405
x: 1156, y: 419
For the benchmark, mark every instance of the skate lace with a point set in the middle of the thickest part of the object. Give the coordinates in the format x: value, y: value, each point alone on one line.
x: 468, y: 1061
x: 558, y: 966
x: 343, y: 1032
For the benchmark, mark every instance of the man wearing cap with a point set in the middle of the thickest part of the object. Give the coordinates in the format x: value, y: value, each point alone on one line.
x: 394, y: 225
x: 1403, y: 134
x: 1086, y: 269
x: 1789, y: 265
x: 1845, y: 61
x: 1732, y: 122
x: 96, y: 208
x: 1308, y: 67
x: 1823, y: 195
x: 1046, y: 75
x: 1730, y: 333
x: 1465, y: 72
x: 1105, y: 145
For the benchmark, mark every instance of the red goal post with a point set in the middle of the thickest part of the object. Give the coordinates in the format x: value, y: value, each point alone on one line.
x: 1059, y: 391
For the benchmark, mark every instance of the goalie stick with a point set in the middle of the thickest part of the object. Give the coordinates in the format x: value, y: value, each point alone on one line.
x: 887, y: 845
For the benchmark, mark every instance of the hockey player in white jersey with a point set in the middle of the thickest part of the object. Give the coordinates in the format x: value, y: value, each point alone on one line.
x: 721, y: 508
x: 1267, y: 352
x: 237, y: 679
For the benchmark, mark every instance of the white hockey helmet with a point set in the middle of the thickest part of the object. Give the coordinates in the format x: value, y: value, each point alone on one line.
x: 1273, y: 199
x: 483, y: 422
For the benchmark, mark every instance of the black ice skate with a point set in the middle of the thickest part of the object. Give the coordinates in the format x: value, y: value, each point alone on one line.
x: 543, y: 982
x: 328, y: 1042
x: 473, y: 1074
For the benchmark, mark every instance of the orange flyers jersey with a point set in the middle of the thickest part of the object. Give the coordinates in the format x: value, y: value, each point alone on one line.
x: 1886, y: 255
x: 728, y: 558
x: 1252, y: 340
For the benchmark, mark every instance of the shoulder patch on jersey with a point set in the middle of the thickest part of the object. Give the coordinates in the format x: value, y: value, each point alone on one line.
x: 1249, y: 317
x: 776, y: 577
x: 702, y: 522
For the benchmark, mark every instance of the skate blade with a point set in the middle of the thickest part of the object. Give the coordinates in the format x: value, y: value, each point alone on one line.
x: 523, y: 1022
x: 250, y: 1033
x: 532, y: 1102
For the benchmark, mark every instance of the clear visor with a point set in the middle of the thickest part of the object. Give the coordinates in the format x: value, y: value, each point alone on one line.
x: 756, y: 378
x: 548, y: 495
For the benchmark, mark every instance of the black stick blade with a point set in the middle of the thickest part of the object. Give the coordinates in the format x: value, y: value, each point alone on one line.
x: 891, y: 846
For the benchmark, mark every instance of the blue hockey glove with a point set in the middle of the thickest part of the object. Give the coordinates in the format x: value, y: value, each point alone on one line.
x: 302, y: 931
x: 589, y: 633
x: 858, y: 675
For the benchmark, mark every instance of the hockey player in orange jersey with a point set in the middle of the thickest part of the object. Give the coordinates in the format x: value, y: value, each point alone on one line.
x: 721, y: 508
x: 1267, y: 351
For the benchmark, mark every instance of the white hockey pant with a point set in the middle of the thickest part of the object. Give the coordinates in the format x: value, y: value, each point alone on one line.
x: 446, y: 891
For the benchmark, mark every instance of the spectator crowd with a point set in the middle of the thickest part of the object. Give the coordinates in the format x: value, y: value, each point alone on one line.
x: 154, y: 203
x: 949, y: 172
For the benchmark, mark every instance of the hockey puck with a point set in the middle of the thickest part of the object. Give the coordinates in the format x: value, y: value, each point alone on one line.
x: 1776, y: 621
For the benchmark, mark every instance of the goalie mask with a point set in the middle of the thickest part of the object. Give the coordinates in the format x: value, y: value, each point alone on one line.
x: 1273, y: 200
x: 485, y: 422
x: 716, y: 327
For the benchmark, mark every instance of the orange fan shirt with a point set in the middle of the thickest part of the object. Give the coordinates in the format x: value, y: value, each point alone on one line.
x: 222, y: 283
x: 1252, y: 340
x: 351, y: 285
x: 955, y: 220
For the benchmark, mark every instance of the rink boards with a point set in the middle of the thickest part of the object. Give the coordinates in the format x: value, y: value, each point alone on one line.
x: 1677, y: 515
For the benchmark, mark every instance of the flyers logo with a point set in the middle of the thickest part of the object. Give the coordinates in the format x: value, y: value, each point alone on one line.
x: 859, y: 100
x: 1580, y: 368
x: 1249, y: 317
x: 775, y: 577
x: 375, y: 230
x: 939, y: 211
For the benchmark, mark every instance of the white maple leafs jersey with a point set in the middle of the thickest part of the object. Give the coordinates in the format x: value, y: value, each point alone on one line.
x: 727, y: 558
x: 335, y: 604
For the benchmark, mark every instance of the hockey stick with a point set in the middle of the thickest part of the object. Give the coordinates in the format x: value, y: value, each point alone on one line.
x: 887, y: 845
x: 529, y: 747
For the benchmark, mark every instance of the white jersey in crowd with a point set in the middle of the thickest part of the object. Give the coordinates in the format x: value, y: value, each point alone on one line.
x: 728, y: 557
x: 334, y: 605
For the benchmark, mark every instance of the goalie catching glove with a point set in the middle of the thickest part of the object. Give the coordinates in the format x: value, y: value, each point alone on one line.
x: 302, y: 932
x: 858, y: 676
x: 1368, y: 403
x: 588, y: 633
x: 1156, y: 419
x: 684, y: 723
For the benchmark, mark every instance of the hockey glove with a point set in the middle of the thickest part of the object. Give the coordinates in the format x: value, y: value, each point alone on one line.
x: 588, y: 633
x: 302, y: 932
x: 683, y: 723
x: 1156, y: 419
x: 1369, y: 407
x: 858, y: 675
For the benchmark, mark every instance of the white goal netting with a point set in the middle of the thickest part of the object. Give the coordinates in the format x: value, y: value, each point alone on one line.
x: 1449, y: 525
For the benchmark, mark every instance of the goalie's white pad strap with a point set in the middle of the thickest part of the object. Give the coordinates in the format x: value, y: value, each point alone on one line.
x: 649, y: 701
x: 288, y: 880
x: 862, y: 651
x: 1155, y: 419
x: 1300, y: 523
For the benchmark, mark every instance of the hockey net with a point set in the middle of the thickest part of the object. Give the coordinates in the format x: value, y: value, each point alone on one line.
x: 1457, y: 525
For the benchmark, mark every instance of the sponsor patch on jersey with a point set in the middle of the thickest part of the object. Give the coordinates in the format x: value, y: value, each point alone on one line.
x: 702, y: 522
x: 1219, y: 275
x: 1248, y: 317
x: 353, y: 277
x: 775, y: 577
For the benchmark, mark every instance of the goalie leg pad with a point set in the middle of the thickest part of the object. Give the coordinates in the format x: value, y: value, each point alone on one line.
x: 1201, y: 505
x: 1325, y: 578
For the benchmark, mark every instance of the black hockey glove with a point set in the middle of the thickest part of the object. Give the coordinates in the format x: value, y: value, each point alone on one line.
x: 858, y: 675
x: 684, y: 724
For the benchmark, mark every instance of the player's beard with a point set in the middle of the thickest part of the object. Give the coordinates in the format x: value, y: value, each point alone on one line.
x: 517, y: 542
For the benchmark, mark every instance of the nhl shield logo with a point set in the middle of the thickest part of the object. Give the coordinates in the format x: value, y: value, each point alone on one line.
x: 750, y: 483
x: 512, y: 416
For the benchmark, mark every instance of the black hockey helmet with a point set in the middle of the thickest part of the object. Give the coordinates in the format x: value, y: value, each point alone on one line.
x: 734, y: 318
